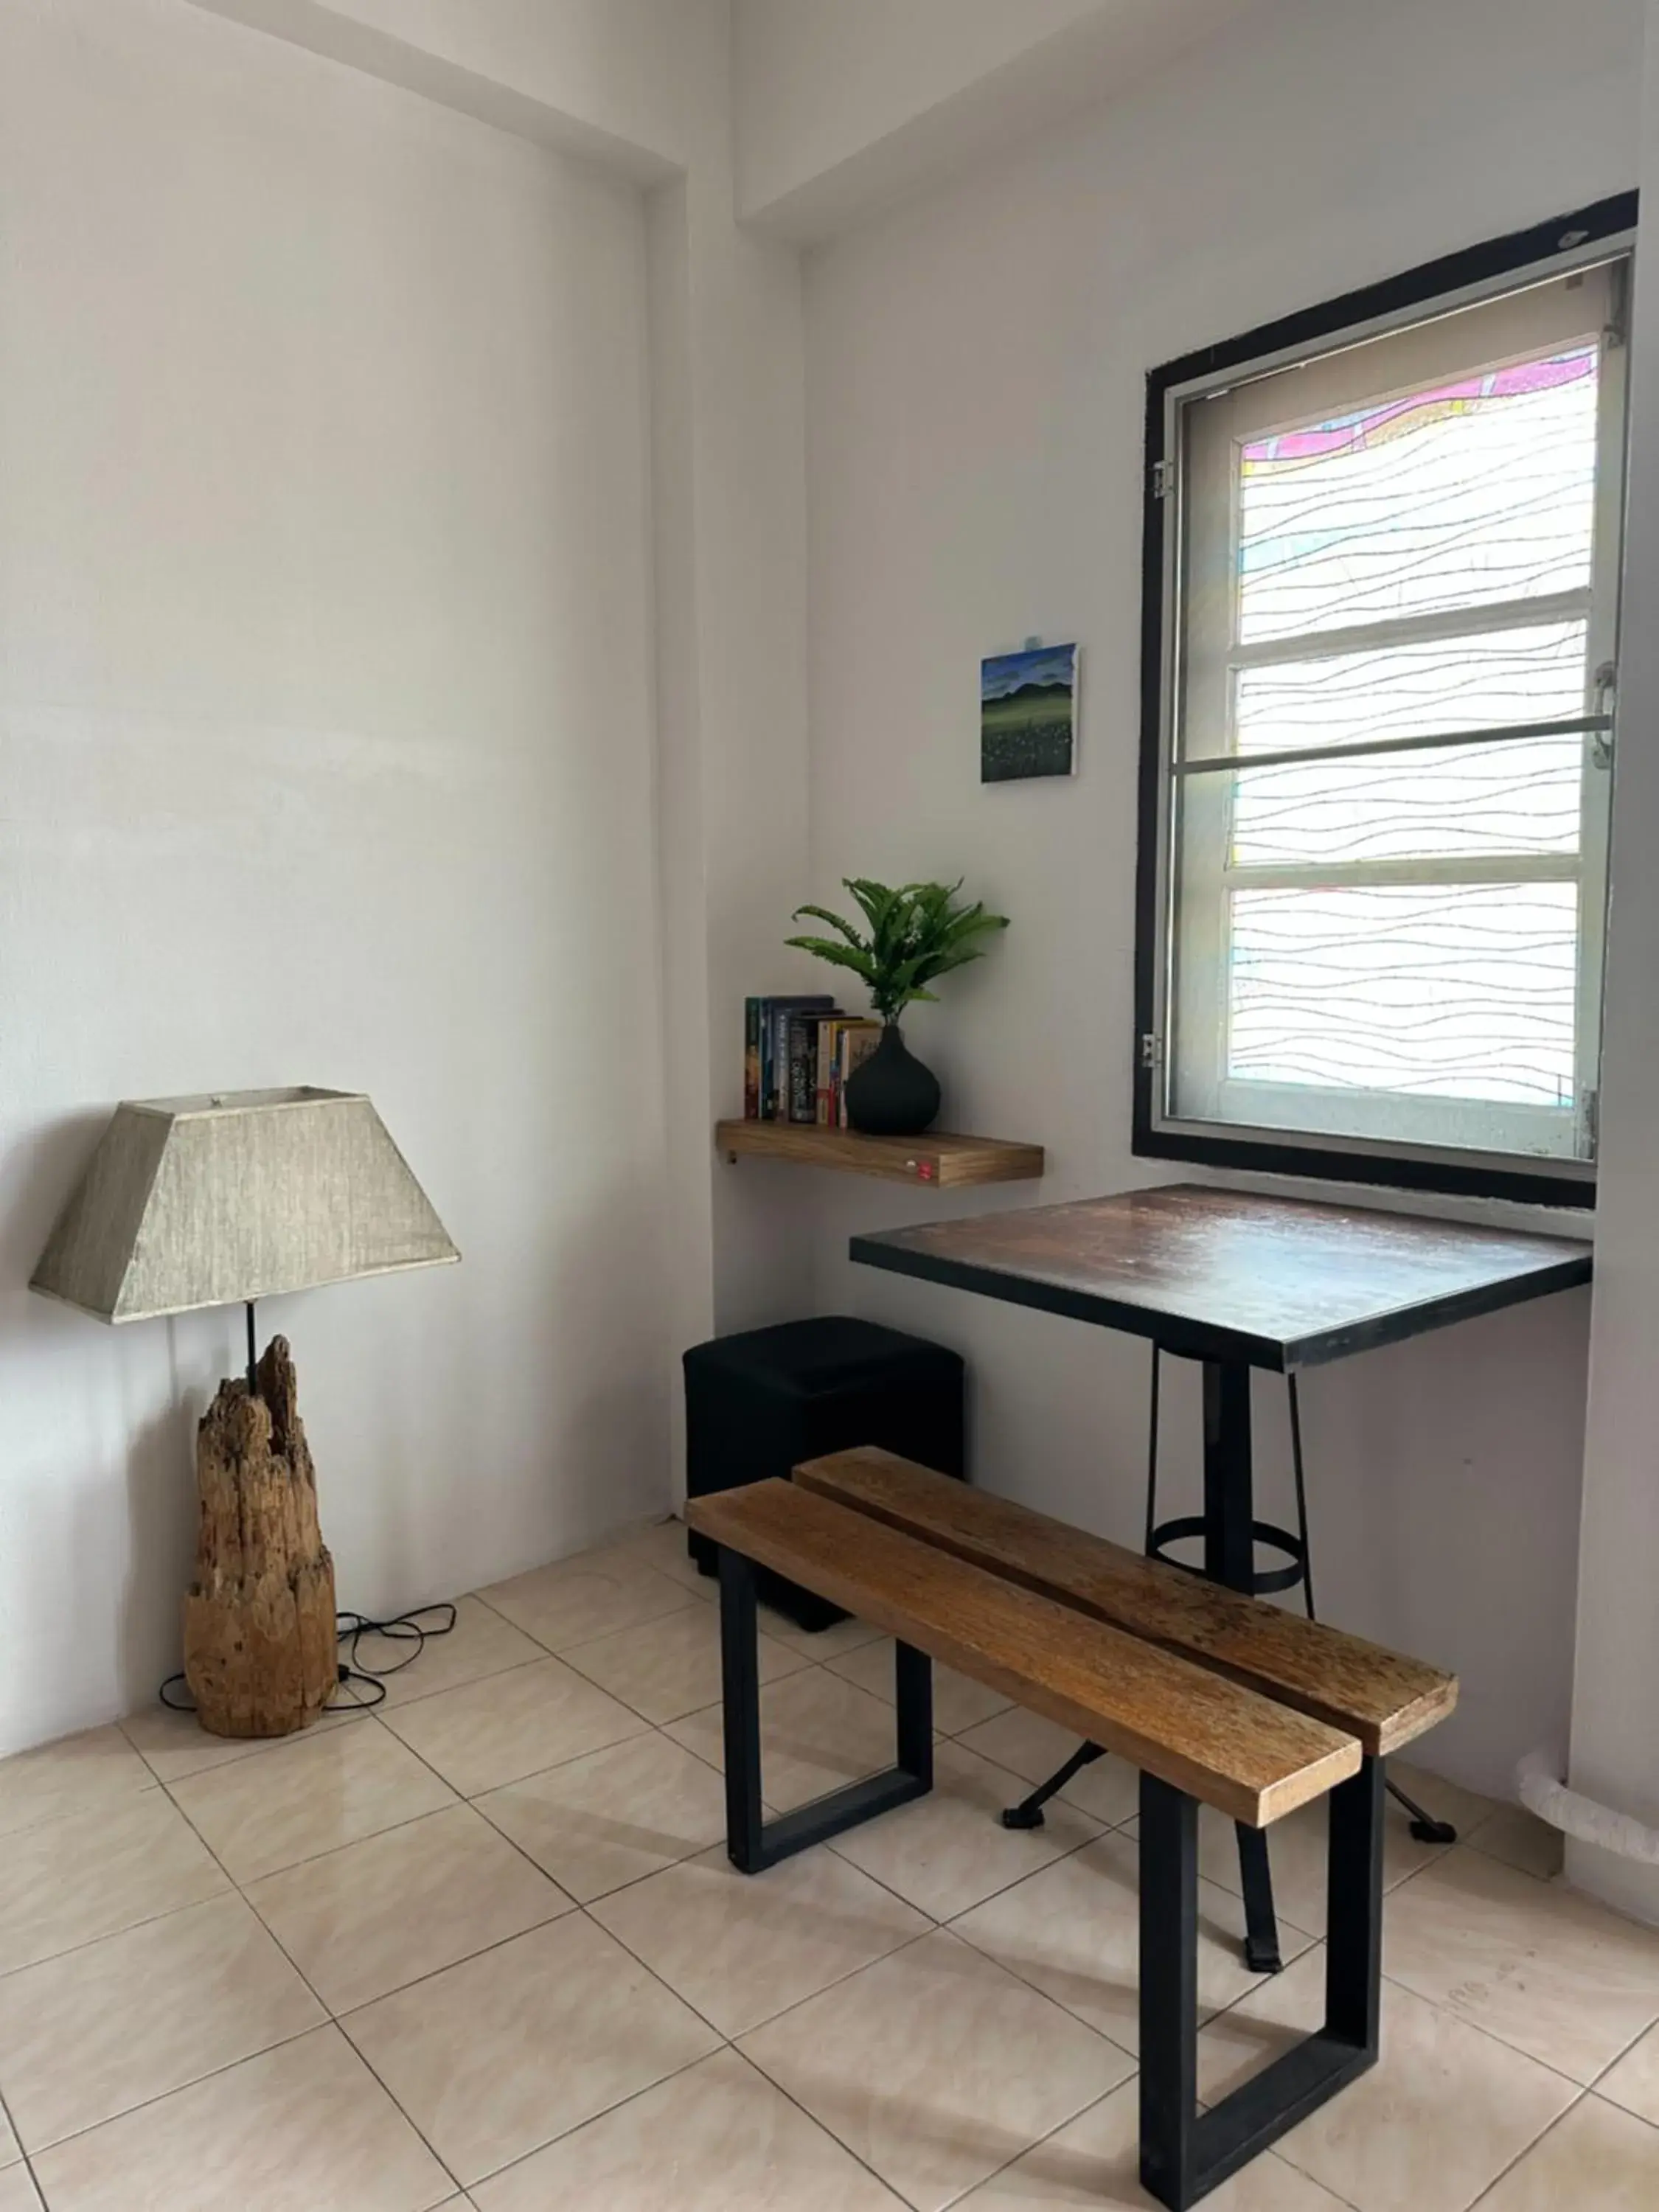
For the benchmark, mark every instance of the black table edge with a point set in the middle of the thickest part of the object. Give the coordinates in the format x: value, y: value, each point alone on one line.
x: 1198, y: 1340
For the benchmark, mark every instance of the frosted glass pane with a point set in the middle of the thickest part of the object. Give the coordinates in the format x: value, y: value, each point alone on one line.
x: 1476, y: 801
x: 1460, y: 495
x: 1479, y: 683
x: 1456, y: 991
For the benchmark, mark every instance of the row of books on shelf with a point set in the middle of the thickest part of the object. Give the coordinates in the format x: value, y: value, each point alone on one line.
x: 797, y: 1055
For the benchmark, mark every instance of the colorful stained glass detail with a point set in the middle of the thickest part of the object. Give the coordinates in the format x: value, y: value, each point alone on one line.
x: 1465, y: 495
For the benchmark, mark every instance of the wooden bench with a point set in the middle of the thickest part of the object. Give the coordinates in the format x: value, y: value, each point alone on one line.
x: 1217, y: 1699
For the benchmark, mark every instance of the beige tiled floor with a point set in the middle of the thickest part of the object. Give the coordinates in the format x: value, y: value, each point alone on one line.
x: 483, y: 1949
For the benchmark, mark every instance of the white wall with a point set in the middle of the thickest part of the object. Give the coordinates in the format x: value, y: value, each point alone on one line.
x: 976, y: 368
x: 645, y: 87
x: 1615, y: 1714
x: 818, y: 85
x: 327, y: 748
x: 843, y: 106
x: 619, y: 81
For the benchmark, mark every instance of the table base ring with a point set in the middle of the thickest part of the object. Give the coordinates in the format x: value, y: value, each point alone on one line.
x: 1267, y: 1582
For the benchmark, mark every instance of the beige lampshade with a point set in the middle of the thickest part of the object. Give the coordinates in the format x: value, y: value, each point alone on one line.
x: 208, y: 1201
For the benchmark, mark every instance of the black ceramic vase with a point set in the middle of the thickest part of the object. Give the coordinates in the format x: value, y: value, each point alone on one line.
x: 892, y: 1094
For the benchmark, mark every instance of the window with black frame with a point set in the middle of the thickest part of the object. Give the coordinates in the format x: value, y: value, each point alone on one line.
x: 1384, y: 550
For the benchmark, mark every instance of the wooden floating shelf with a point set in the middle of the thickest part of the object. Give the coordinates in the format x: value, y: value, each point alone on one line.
x: 937, y: 1158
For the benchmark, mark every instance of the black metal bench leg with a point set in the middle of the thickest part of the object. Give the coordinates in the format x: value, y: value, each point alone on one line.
x: 752, y: 1842
x: 1169, y: 1992
x: 1353, y: 1941
x: 740, y: 1688
x: 1261, y: 1952
x: 912, y: 1698
x: 1185, y: 2154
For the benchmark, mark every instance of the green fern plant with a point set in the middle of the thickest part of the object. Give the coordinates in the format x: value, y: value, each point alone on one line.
x: 916, y: 933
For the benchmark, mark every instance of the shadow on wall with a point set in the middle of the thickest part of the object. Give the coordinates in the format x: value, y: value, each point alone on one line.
x: 62, y: 1450
x: 39, y: 1174
x: 161, y: 1541
x: 496, y: 1415
x: 607, y: 1407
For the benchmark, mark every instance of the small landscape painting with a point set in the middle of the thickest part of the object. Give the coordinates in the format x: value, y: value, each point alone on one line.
x: 1028, y: 713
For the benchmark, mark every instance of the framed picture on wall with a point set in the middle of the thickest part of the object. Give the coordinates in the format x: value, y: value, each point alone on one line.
x: 1028, y: 713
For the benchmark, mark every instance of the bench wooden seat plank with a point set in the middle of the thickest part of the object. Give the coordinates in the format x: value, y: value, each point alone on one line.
x: 1193, y: 1728
x: 1356, y: 1687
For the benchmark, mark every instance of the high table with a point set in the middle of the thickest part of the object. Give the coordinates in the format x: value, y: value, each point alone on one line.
x: 1235, y: 1281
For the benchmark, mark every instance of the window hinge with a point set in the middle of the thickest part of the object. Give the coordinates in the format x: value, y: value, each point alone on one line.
x: 1590, y: 1115
x: 1617, y: 323
x: 1164, y: 474
x: 1151, y: 1049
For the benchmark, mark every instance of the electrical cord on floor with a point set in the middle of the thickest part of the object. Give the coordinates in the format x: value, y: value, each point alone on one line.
x: 350, y: 1628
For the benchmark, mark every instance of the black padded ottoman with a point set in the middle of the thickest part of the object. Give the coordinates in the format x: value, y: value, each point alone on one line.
x: 759, y: 1403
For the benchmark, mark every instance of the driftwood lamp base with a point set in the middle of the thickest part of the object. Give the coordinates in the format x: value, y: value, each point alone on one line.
x: 260, y: 1652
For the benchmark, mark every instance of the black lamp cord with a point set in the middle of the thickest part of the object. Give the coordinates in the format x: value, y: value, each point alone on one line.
x: 412, y: 1628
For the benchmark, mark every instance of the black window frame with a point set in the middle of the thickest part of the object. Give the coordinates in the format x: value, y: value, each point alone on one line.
x: 1314, y: 1159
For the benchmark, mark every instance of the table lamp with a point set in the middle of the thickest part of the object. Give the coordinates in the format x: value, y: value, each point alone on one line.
x: 221, y: 1200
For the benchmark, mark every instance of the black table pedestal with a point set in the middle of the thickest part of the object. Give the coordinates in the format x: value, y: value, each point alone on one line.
x: 1229, y: 1530
x: 1229, y: 1559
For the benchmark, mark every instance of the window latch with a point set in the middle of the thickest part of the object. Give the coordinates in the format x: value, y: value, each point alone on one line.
x: 1607, y: 692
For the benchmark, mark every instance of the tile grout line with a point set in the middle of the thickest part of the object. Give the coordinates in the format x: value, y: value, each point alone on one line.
x: 211, y: 2073
x: 216, y: 2073
x: 690, y: 1597
x: 931, y: 1928
x: 310, y: 1859
x: 985, y: 2181
x: 583, y: 1907
x: 804, y: 1665
x: 573, y: 1903
x: 1002, y: 1888
x: 25, y: 2157
x: 336, y: 2020
x: 576, y: 1907
x: 813, y: 2120
x: 1491, y: 2035
x: 1618, y: 2060
x: 1613, y: 2106
x: 633, y: 2097
x: 377, y: 1707
x: 88, y: 1812
x: 940, y: 1927
x: 327, y: 2022
x: 604, y: 2112
x: 1527, y: 2150
x: 145, y: 1920
x: 1448, y: 2012
x: 339, y: 2019
x: 372, y: 1713
x: 724, y: 2042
